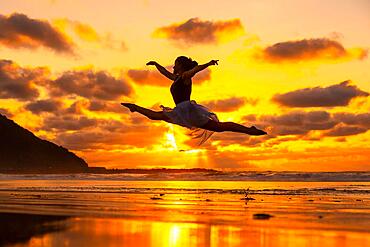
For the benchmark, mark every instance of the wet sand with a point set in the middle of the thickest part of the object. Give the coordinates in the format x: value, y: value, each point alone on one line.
x: 78, y: 213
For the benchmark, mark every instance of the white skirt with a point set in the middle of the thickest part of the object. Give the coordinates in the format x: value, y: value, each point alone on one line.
x: 193, y: 116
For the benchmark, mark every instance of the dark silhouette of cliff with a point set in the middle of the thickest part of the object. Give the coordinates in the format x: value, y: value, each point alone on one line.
x: 21, y: 151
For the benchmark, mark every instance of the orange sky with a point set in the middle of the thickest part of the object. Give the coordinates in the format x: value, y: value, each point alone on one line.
x: 299, y: 69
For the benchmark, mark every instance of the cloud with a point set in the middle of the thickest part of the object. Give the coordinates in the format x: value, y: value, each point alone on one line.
x: 71, y: 127
x: 91, y: 85
x: 47, y: 105
x: 335, y: 95
x: 87, y: 33
x: 67, y: 122
x: 204, y: 75
x: 310, y: 49
x: 154, y: 78
x: 20, y: 31
x: 196, y: 31
x: 57, y: 107
x: 25, y: 84
x: 343, y: 130
x: 109, y: 134
x: 17, y: 82
x: 360, y: 119
x: 293, y: 123
x: 101, y: 139
x: 103, y: 106
x: 300, y: 123
x: 76, y: 107
x: 309, y: 159
x: 82, y: 30
x: 228, y: 105
x: 148, y: 77
x: 6, y: 112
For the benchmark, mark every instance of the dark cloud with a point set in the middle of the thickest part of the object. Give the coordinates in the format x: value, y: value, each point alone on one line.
x: 318, y: 116
x: 73, y: 129
x: 48, y: 105
x: 308, y: 49
x: 343, y: 130
x: 293, y: 123
x: 20, y: 31
x: 148, y: 77
x: 17, y: 82
x: 154, y: 78
x: 360, y: 119
x: 227, y: 105
x: 92, y: 85
x: 76, y: 107
x: 335, y: 95
x: 300, y: 123
x: 104, y: 106
x: 297, y: 118
x: 196, y: 31
x: 68, y: 122
x: 57, y: 108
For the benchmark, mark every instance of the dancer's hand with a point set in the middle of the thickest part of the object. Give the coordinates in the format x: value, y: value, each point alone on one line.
x: 151, y: 63
x: 213, y: 62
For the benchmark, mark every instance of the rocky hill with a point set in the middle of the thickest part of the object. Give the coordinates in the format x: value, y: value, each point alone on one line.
x: 23, y: 152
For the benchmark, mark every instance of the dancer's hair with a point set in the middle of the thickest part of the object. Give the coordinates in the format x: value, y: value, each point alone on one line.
x: 186, y: 62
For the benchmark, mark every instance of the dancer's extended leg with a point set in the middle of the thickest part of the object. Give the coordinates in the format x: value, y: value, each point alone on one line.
x: 234, y: 127
x: 153, y: 115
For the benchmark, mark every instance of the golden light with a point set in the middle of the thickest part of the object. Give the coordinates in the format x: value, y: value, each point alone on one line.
x: 170, y: 141
x: 174, y: 235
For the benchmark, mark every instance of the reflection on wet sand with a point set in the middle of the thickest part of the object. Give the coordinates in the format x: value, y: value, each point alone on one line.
x: 85, y: 231
x: 119, y: 213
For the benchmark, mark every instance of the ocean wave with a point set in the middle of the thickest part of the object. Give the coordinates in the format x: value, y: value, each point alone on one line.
x: 128, y: 190
x: 202, y: 176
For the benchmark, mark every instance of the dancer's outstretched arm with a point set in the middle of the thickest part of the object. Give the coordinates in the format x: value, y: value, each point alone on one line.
x: 196, y: 69
x: 162, y: 70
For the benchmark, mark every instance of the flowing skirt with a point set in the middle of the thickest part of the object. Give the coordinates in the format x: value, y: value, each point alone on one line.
x: 193, y: 116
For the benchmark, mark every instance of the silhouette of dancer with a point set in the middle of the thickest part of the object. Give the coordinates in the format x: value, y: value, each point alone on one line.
x: 188, y: 113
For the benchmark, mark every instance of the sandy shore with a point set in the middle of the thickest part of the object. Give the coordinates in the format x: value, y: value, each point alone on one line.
x: 186, y: 214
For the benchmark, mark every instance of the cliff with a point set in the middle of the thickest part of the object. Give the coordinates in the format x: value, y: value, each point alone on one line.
x: 21, y: 151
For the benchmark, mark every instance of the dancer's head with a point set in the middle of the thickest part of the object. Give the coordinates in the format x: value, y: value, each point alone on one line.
x: 183, y: 64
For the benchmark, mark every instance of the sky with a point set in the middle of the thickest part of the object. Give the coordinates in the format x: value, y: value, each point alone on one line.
x: 297, y: 69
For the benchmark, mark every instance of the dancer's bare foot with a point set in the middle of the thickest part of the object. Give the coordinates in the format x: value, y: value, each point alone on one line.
x: 130, y: 106
x: 256, y: 132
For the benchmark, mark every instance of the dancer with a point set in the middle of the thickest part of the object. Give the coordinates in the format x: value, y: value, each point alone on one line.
x: 188, y: 113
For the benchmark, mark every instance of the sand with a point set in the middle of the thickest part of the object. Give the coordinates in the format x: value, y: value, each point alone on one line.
x: 184, y: 213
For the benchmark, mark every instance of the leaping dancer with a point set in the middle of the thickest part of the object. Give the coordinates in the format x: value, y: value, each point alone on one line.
x: 188, y: 113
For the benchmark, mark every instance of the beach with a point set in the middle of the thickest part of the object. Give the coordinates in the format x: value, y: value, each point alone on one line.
x: 103, y: 210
